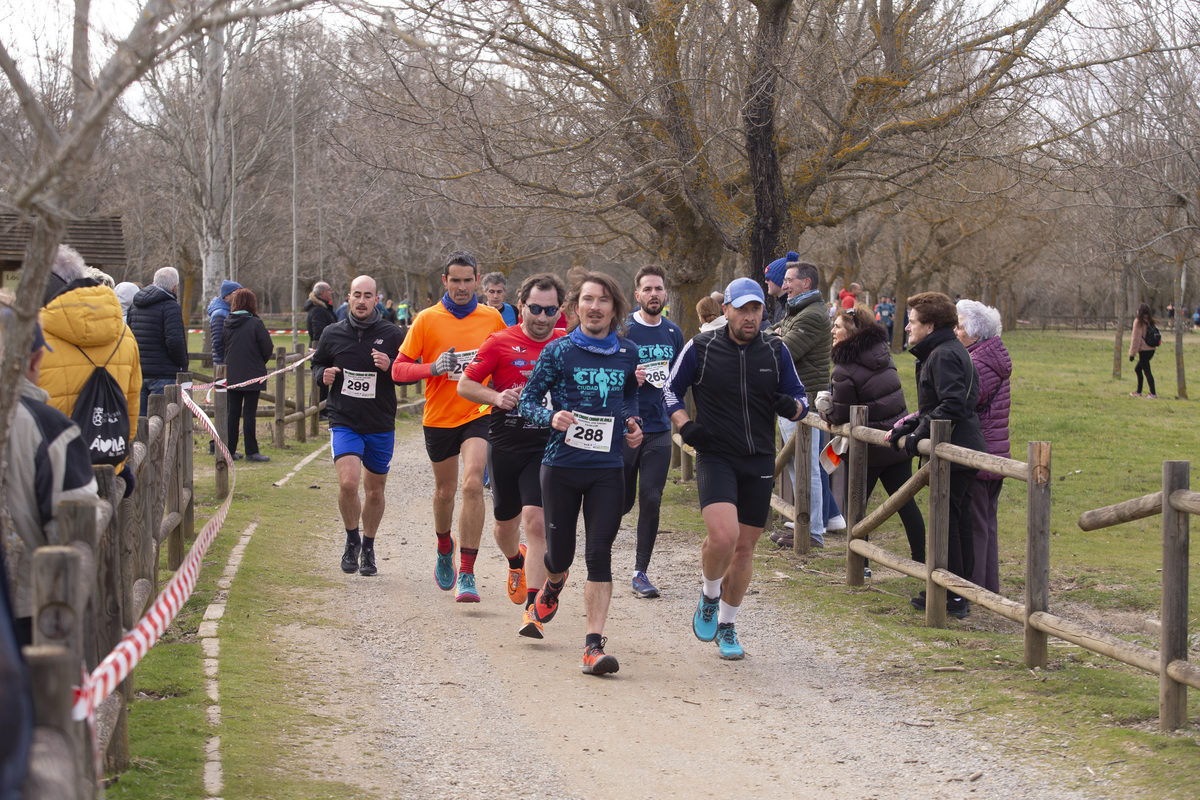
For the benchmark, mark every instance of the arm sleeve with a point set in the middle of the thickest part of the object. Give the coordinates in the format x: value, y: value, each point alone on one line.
x: 799, y: 341
x: 176, y: 337
x: 951, y: 388
x: 484, y: 364
x: 680, y: 379
x: 216, y: 327
x: 530, y: 405
x: 629, y: 402
x: 405, y: 370
x: 321, y: 360
x: 266, y: 347
x: 789, y: 382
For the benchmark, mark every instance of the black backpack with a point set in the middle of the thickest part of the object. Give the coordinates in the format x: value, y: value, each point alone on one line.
x: 1153, y: 337
x: 103, y: 415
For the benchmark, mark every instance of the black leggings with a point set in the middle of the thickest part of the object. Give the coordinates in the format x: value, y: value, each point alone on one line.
x: 243, y: 405
x: 645, y: 475
x: 893, y: 477
x: 961, y: 556
x: 1143, y: 368
x: 600, y: 492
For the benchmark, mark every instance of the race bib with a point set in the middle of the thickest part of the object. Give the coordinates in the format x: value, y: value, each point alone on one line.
x: 591, y: 433
x: 547, y: 403
x: 359, y: 384
x: 657, y: 373
x: 464, y: 358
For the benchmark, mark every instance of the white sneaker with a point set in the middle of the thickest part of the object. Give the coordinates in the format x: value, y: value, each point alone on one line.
x: 791, y: 526
x: 837, y: 523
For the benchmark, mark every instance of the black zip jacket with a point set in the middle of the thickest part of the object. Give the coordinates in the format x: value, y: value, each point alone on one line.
x: 348, y: 348
x: 947, y: 388
x: 734, y: 388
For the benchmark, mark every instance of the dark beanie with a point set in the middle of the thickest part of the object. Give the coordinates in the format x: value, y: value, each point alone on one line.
x: 777, y: 269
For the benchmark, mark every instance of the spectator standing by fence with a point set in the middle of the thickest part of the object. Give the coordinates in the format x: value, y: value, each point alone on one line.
x: 947, y: 389
x: 47, y: 463
x: 979, y: 330
x: 319, y: 311
x: 84, y: 329
x: 1141, y: 348
x: 218, y: 312
x: 248, y: 348
x: 157, y: 323
x: 864, y: 374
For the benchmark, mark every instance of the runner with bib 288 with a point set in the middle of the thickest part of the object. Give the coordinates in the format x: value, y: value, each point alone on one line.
x: 591, y: 375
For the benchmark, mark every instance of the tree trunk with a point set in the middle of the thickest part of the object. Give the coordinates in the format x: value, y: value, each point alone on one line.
x: 1122, y: 310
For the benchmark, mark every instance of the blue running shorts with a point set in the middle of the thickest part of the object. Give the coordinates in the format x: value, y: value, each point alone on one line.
x: 374, y: 449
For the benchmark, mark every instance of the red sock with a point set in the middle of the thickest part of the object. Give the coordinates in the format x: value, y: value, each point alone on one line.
x: 466, y: 561
x: 445, y: 543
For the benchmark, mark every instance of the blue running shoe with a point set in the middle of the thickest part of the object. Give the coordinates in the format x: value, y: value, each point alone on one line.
x: 466, y: 589
x: 704, y: 621
x: 443, y: 570
x: 727, y: 642
x: 642, y: 586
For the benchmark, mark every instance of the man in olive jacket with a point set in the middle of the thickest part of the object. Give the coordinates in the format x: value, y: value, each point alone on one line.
x: 808, y: 336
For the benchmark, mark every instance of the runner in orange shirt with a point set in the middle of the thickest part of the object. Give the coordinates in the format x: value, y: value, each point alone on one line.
x: 444, y: 339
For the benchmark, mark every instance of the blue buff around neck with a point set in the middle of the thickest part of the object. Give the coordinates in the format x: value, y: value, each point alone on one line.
x: 606, y: 346
x: 457, y: 310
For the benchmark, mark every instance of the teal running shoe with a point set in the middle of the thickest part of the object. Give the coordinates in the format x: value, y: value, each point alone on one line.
x: 704, y: 621
x: 443, y: 570
x: 727, y: 643
x: 466, y: 589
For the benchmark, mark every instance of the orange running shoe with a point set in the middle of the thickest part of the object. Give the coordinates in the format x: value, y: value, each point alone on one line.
x: 517, y: 591
x: 545, y: 605
x: 531, y: 626
x: 595, y: 662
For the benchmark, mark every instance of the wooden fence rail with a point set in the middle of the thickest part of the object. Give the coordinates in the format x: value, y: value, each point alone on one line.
x: 1169, y: 662
x: 94, y: 586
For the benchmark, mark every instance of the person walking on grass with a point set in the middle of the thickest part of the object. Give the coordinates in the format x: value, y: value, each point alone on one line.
x: 1142, y: 342
x: 740, y: 379
x: 444, y: 339
x: 247, y: 349
x: 354, y: 359
x: 515, y: 445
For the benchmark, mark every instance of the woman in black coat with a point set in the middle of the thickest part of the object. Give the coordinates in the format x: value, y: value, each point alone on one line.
x: 947, y: 388
x: 248, y: 347
x: 864, y: 374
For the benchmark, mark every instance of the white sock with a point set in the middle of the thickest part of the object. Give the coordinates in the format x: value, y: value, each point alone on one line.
x: 712, y: 588
x: 727, y: 613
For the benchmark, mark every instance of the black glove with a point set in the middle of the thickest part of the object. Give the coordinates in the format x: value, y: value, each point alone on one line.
x: 130, y: 483
x: 785, y: 406
x: 1131, y: 359
x: 910, y: 446
x: 694, y: 433
x: 903, y: 427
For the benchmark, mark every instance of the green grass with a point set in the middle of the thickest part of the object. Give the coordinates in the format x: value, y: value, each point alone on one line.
x: 1092, y: 717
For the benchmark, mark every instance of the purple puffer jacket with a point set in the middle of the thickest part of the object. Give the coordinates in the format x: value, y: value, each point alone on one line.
x: 994, y: 366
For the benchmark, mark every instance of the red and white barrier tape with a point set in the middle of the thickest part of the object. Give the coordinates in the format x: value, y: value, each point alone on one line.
x: 293, y: 365
x: 150, y: 628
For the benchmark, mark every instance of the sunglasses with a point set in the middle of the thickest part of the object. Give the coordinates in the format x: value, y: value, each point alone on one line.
x: 535, y: 309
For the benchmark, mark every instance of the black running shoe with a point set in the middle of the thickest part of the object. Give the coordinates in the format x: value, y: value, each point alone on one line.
x: 350, y: 557
x: 368, y: 562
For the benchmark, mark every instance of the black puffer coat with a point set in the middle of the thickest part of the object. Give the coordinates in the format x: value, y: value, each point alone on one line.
x: 947, y: 388
x: 248, y: 347
x: 157, y: 323
x: 320, y: 317
x: 865, y: 375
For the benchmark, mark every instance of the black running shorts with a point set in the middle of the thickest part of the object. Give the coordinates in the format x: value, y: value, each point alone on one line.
x: 443, y: 443
x: 516, y: 481
x: 746, y: 482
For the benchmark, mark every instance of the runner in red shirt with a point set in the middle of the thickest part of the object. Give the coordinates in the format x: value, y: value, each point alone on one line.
x: 515, y: 446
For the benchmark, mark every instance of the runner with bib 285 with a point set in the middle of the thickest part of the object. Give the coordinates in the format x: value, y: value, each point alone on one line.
x: 591, y: 375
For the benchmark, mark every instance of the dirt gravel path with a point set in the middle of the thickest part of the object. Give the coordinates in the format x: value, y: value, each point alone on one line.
x: 440, y: 700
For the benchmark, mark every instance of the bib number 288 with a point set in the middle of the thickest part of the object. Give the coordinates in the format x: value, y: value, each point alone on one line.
x: 591, y: 433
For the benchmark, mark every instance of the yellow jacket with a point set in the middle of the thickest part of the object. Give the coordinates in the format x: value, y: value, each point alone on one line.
x: 88, y: 319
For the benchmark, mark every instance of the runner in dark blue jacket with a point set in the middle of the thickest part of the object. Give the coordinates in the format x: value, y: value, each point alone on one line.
x: 659, y: 342
x: 590, y: 377
x: 740, y: 379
